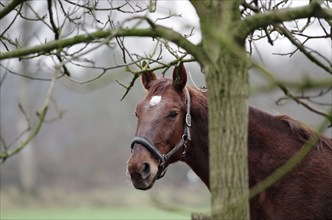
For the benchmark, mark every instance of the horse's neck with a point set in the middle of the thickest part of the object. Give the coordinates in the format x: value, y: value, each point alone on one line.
x: 268, y: 137
x: 271, y: 143
x: 266, y: 130
x: 198, y: 152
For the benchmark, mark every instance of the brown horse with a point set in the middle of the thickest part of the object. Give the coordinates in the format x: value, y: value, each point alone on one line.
x: 173, y: 126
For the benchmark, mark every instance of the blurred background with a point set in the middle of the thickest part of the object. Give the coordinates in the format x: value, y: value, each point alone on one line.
x: 77, y: 162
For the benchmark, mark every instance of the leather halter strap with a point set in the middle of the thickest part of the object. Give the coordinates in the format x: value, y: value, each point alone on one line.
x: 182, y: 143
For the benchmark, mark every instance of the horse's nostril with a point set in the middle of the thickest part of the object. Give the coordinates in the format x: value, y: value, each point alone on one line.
x: 145, y: 171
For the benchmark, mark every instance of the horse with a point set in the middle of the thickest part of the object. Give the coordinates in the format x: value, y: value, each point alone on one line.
x: 172, y: 125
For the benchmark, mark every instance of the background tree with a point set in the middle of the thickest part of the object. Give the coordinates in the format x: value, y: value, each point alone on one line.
x: 75, y: 30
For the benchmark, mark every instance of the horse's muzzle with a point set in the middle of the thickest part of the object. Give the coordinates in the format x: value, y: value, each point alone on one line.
x: 142, y: 173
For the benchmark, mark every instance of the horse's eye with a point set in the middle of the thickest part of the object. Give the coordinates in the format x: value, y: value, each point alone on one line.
x: 173, y: 114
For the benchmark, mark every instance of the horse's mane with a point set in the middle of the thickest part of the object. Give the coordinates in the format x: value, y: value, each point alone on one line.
x: 303, y: 133
x: 200, y: 98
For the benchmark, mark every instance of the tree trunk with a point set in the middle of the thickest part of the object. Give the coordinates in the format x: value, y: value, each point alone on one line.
x: 28, y: 164
x: 228, y: 138
x: 227, y: 82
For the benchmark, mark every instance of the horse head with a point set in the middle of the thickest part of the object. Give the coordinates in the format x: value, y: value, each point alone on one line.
x: 163, y: 121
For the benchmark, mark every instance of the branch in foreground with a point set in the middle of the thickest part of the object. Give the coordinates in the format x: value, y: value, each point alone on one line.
x: 11, y: 6
x: 269, y: 76
x: 138, y: 73
x: 233, y: 48
x: 299, y: 100
x: 156, y: 31
x: 291, y: 163
x: 260, y: 20
x: 306, y: 84
x: 299, y: 46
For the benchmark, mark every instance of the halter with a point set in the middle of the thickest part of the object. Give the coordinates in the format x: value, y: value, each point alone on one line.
x: 182, y: 143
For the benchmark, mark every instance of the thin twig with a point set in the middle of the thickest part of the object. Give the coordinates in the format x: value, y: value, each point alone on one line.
x: 267, y: 74
x: 41, y: 115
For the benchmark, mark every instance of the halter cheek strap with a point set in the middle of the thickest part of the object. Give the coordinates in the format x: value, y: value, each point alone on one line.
x: 182, y: 143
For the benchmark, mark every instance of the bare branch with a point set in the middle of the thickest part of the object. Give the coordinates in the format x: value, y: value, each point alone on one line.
x: 27, y: 76
x: 111, y: 8
x: 305, y: 104
x: 300, y: 47
x: 10, y: 7
x: 57, y: 32
x: 269, y: 76
x: 11, y: 23
x: 156, y: 31
x: 306, y: 84
x: 144, y: 69
x: 41, y: 115
x: 261, y: 20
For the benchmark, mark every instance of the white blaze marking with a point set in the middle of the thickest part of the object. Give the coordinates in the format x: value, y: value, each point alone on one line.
x: 155, y: 100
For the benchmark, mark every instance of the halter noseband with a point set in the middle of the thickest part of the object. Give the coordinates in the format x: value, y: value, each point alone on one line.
x: 182, y: 143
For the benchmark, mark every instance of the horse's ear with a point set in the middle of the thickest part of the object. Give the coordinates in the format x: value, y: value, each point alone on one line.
x: 179, y: 77
x: 147, y: 78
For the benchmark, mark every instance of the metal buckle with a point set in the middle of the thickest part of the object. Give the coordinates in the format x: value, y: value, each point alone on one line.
x: 162, y: 161
x: 188, y: 119
x: 184, y: 150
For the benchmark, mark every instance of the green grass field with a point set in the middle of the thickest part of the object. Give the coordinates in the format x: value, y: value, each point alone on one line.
x: 89, y: 214
x: 100, y: 205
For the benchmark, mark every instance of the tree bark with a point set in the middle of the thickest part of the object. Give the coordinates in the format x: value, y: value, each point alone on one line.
x: 227, y: 81
x: 228, y: 89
